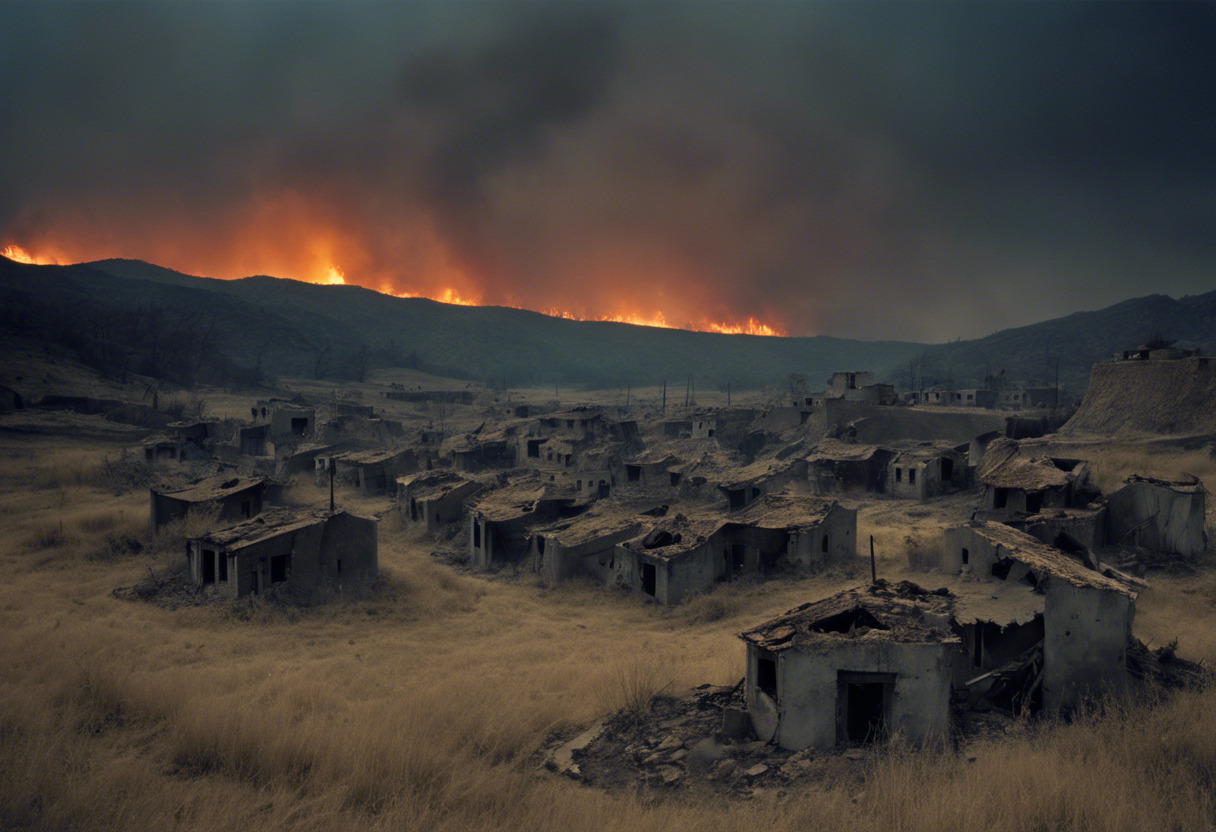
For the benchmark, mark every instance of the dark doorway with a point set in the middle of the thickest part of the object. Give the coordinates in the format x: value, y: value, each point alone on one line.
x: 476, y: 535
x: 863, y: 706
x: 208, y: 567
x: 299, y: 426
x: 280, y: 568
x: 737, y: 497
x: 947, y: 469
x: 633, y: 473
x: 1034, y: 502
x: 766, y: 675
x: 738, y: 555
x: 649, y: 578
x: 223, y: 566
x: 603, y: 490
x: 1000, y: 497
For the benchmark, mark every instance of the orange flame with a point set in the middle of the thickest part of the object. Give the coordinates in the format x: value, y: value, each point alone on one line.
x: 20, y: 255
x: 323, y: 270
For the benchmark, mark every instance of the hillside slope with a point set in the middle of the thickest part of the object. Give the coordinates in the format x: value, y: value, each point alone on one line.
x: 1130, y: 398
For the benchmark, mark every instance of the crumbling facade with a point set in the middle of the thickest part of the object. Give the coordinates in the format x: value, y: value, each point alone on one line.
x: 300, y: 553
x: 231, y: 498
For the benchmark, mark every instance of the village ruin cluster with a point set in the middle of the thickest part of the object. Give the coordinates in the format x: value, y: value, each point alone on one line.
x: 1028, y: 605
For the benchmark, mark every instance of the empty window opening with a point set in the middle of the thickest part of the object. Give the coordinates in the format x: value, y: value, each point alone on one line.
x: 899, y: 475
x: 766, y: 675
x: 633, y: 473
x: 534, y: 448
x: 966, y: 556
x: 863, y: 706
x: 280, y: 568
x: 208, y: 567
x: 1034, y: 502
x: 1000, y: 497
x: 675, y: 478
x: 825, y: 544
x: 299, y: 426
x: 711, y: 432
x: 649, y: 578
x: 737, y: 497
x: 339, y: 566
x: 911, y: 476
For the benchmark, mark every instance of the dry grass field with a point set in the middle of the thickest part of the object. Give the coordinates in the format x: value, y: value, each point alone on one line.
x: 422, y: 707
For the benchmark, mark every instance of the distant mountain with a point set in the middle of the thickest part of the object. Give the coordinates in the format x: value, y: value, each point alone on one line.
x: 144, y: 318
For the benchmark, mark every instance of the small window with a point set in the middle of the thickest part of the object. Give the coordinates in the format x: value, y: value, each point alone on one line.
x: 911, y: 476
x: 280, y: 568
x: 966, y: 556
x: 825, y: 544
x: 899, y: 474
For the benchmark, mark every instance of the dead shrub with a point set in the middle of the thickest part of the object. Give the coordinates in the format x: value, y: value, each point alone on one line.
x: 49, y: 534
x: 706, y: 609
x: 633, y: 685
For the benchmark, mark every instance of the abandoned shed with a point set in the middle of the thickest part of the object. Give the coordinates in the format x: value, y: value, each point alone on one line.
x: 232, y: 498
x: 679, y: 556
x: 475, y: 452
x: 291, y: 421
x: 434, y: 499
x: 1087, y: 612
x: 583, y: 545
x: 1015, y: 484
x: 500, y: 520
x: 853, y: 668
x: 836, y: 467
x: 927, y: 470
x: 1164, y: 515
x: 743, y: 486
x: 302, y: 553
x: 375, y: 471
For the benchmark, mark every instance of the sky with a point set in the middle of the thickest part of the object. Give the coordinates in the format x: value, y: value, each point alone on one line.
x: 879, y: 170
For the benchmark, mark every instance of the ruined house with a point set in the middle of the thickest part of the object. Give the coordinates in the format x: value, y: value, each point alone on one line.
x: 500, y: 520
x: 375, y: 471
x: 301, y: 553
x: 435, y: 499
x: 1164, y: 515
x: 584, y: 544
x: 836, y: 467
x: 1087, y: 612
x: 231, y: 498
x: 253, y: 440
x: 743, y: 486
x: 694, y: 549
x: 927, y: 470
x: 480, y: 451
x: 679, y: 556
x: 1016, y: 485
x: 853, y: 668
x: 289, y: 421
x: 1030, y: 397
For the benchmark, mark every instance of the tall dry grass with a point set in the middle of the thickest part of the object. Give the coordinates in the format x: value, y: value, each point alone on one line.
x: 423, y: 705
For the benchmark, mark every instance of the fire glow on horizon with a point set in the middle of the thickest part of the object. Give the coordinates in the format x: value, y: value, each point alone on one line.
x: 326, y: 272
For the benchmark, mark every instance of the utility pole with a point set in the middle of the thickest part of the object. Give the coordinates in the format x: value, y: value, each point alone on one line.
x: 687, y: 391
x: 664, y: 395
x: 628, y: 393
x: 331, y: 467
x: 873, y: 565
x: 728, y: 394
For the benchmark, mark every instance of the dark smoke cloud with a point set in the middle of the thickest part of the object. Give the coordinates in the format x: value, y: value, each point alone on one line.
x: 875, y: 169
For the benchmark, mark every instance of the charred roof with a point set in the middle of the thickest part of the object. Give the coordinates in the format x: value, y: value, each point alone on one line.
x: 902, y: 612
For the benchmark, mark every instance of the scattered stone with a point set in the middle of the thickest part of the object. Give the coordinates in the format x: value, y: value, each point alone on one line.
x: 672, y: 741
x: 723, y: 769
x: 736, y: 724
x: 670, y: 774
x: 757, y: 770
x: 679, y: 754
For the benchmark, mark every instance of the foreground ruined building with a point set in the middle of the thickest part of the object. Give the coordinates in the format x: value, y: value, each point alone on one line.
x: 1030, y: 628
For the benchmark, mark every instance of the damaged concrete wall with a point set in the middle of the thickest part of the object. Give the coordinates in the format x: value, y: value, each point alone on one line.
x: 1157, y: 517
x: 1086, y: 630
x: 807, y: 710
